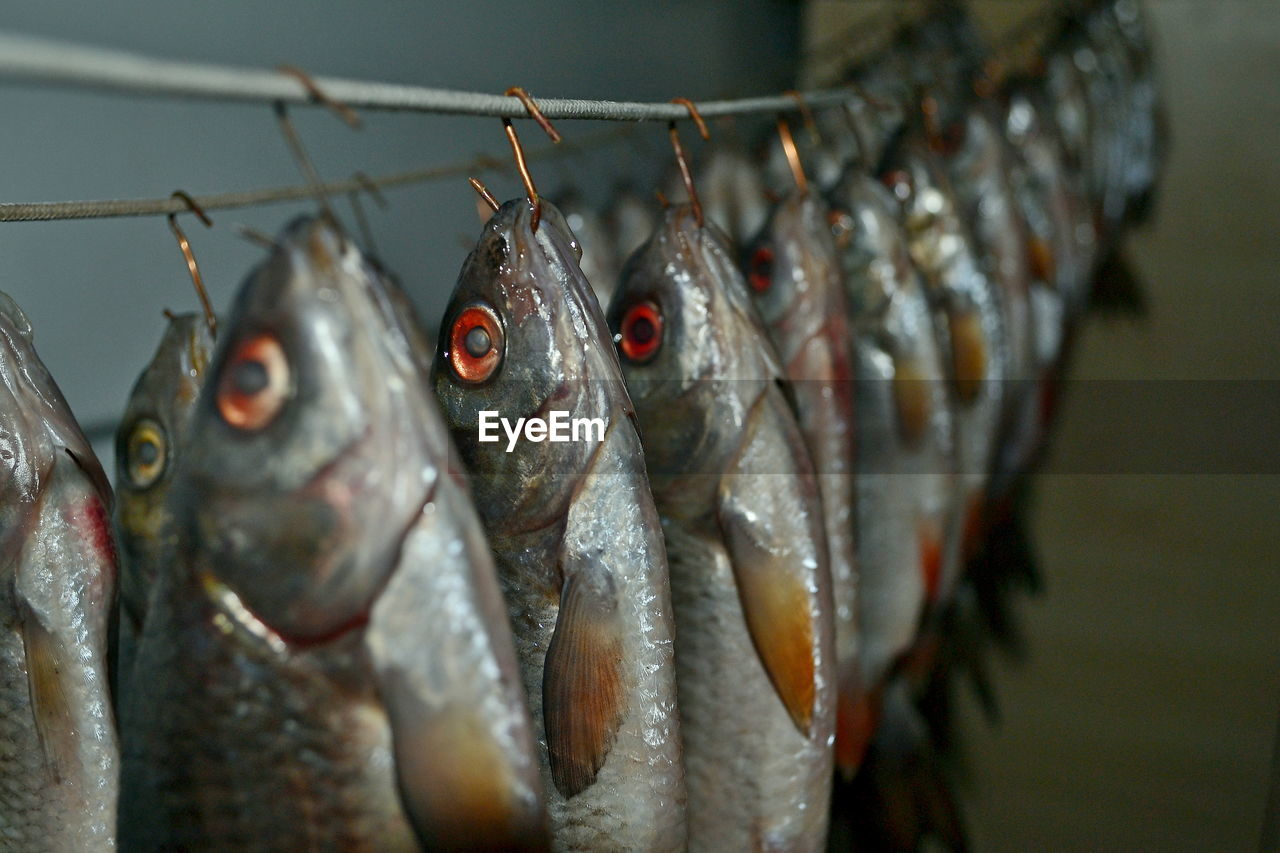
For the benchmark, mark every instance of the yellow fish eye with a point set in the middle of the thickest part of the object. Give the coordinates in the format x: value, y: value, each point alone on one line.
x: 147, y: 453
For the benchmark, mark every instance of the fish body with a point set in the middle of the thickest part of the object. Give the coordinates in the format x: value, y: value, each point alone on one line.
x: 905, y: 433
x: 58, y: 752
x: 742, y: 519
x: 797, y: 283
x: 970, y: 327
x: 328, y: 666
x: 980, y: 165
x: 148, y: 447
x: 573, y: 527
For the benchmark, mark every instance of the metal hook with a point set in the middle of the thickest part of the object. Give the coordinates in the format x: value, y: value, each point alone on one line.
x: 300, y: 157
x: 685, y: 174
x: 192, y: 267
x: 318, y: 95
x: 806, y: 114
x: 366, y: 183
x: 484, y: 193
x: 695, y: 115
x: 793, y: 155
x: 521, y: 165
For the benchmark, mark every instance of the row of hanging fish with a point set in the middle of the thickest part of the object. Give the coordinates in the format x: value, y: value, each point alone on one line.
x: 366, y: 601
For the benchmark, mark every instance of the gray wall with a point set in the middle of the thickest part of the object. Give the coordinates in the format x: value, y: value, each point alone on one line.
x: 94, y: 290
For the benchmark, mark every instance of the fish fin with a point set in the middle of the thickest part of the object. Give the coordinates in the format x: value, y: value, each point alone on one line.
x: 50, y: 706
x: 768, y: 553
x: 582, y: 685
x: 1117, y: 290
x: 446, y: 673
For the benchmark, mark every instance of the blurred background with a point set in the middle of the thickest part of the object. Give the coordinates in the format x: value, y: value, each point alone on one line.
x: 1144, y: 714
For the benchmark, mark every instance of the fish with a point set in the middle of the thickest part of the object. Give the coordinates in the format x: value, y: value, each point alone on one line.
x: 148, y: 447
x: 599, y: 261
x: 906, y: 455
x: 59, y: 757
x: 797, y: 283
x: 979, y: 163
x: 329, y: 663
x: 573, y: 528
x: 969, y: 325
x: 743, y: 524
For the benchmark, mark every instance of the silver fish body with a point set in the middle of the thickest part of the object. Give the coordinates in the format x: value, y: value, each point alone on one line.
x: 972, y: 331
x: 797, y: 281
x: 905, y: 433
x: 741, y: 513
x: 572, y: 523
x: 732, y: 192
x: 58, y: 751
x: 328, y: 665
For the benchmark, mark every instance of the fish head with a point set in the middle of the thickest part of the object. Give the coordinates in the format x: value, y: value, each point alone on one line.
x: 36, y: 428
x: 598, y: 261
x: 303, y: 462
x: 523, y: 337
x: 871, y: 242
x: 148, y: 446
x: 793, y: 272
x: 694, y: 353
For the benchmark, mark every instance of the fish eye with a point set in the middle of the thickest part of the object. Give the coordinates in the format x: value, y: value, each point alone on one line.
x: 146, y: 453
x: 640, y: 333
x: 760, y: 270
x: 254, y: 383
x: 475, y: 343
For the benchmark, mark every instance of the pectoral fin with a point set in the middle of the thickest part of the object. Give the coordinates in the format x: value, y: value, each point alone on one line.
x: 582, y: 684
x: 775, y: 545
x: 50, y: 705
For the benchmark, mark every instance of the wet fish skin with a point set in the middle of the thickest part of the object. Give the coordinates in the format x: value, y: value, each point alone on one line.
x: 906, y: 455
x: 742, y: 520
x: 148, y: 447
x: 58, y: 751
x: 577, y: 540
x: 797, y: 283
x: 329, y: 663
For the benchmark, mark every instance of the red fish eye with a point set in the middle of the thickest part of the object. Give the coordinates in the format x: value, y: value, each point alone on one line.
x: 641, y: 333
x: 760, y: 275
x: 475, y: 343
x: 254, y: 383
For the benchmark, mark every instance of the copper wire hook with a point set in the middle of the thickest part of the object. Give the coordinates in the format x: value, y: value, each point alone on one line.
x: 522, y: 165
x: 695, y: 115
x: 793, y: 155
x: 192, y: 267
x: 484, y: 193
x: 810, y: 124
x: 344, y: 112
x: 685, y: 174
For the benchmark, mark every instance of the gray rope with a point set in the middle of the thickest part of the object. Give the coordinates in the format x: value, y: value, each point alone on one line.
x: 34, y: 60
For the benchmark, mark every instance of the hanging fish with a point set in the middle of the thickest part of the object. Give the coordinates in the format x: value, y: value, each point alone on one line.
x: 750, y: 580
x: 572, y: 523
x: 968, y: 323
x: 797, y: 283
x: 329, y: 664
x: 906, y: 455
x: 599, y: 261
x: 148, y: 446
x: 58, y: 753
